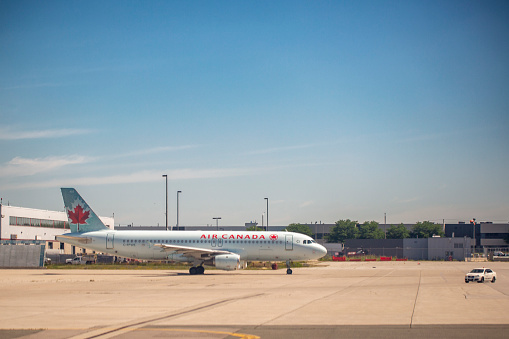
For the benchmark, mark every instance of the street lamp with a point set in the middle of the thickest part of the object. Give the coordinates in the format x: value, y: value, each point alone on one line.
x: 267, y: 213
x: 166, y: 176
x: 178, y: 192
x: 217, y: 226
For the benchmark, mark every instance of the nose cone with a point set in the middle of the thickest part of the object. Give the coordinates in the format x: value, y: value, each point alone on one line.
x: 322, y: 250
x: 319, y: 251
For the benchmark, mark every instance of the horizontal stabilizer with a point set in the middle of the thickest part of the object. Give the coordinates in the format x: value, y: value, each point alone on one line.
x: 81, y: 240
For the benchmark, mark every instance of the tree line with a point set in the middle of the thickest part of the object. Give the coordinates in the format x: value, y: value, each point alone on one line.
x: 351, y: 229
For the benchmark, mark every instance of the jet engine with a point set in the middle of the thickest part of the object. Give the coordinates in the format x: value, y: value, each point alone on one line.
x: 227, y: 262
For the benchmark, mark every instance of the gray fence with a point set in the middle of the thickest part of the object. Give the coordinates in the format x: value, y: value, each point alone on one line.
x: 22, y: 256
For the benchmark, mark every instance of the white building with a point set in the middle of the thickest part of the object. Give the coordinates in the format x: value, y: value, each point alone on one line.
x: 21, y: 223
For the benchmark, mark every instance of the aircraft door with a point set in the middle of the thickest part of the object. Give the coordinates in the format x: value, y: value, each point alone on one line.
x: 219, y: 242
x: 213, y: 242
x: 289, y: 243
x: 109, y: 240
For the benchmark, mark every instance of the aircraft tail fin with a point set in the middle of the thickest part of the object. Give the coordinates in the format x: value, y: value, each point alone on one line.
x: 80, y: 216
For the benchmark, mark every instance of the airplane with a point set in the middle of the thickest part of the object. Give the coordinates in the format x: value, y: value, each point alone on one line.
x: 226, y: 250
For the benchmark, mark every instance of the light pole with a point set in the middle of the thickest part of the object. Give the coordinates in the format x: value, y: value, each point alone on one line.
x: 267, y: 213
x: 166, y: 176
x: 385, y: 225
x: 178, y: 192
x: 217, y: 226
x: 472, y: 221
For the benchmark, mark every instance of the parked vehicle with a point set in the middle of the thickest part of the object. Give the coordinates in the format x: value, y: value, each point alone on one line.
x: 81, y: 260
x: 481, y: 275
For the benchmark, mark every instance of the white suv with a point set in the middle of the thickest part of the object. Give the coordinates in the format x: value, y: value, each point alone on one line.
x: 481, y: 275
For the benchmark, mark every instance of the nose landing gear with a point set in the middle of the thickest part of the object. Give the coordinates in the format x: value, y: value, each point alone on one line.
x: 288, y: 269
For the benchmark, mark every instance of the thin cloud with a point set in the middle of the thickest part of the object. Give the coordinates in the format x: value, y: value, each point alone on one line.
x: 307, y: 203
x: 296, y: 147
x: 10, y: 134
x: 143, y: 177
x: 281, y: 149
x: 28, y: 86
x: 26, y: 167
x: 154, y: 150
x: 406, y: 201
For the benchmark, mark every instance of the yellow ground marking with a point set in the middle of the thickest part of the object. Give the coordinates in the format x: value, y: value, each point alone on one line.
x: 239, y: 335
x: 111, y: 332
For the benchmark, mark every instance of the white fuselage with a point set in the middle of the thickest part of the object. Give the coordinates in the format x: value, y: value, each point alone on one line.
x: 250, y: 246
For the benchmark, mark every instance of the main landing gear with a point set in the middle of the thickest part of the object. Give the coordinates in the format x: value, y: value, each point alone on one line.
x: 288, y: 269
x: 196, y: 270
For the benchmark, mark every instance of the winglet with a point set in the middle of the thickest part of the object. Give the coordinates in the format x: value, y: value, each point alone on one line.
x: 80, y: 216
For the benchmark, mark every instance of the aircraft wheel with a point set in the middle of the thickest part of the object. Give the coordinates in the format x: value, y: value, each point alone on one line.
x: 193, y: 270
x: 200, y: 270
x: 289, y: 271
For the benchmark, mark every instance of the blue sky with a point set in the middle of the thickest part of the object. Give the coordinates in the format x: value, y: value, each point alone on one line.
x: 331, y: 109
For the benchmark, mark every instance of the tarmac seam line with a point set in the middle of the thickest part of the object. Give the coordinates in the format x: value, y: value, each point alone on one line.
x: 137, y: 325
x: 353, y: 284
x: 415, y: 301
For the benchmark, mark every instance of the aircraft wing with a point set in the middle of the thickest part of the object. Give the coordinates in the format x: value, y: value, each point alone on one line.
x: 193, y: 252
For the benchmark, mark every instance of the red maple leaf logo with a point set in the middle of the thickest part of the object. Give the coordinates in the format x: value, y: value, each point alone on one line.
x: 273, y: 236
x: 78, y: 216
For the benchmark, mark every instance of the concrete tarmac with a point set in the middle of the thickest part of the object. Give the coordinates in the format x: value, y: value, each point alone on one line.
x: 336, y: 299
